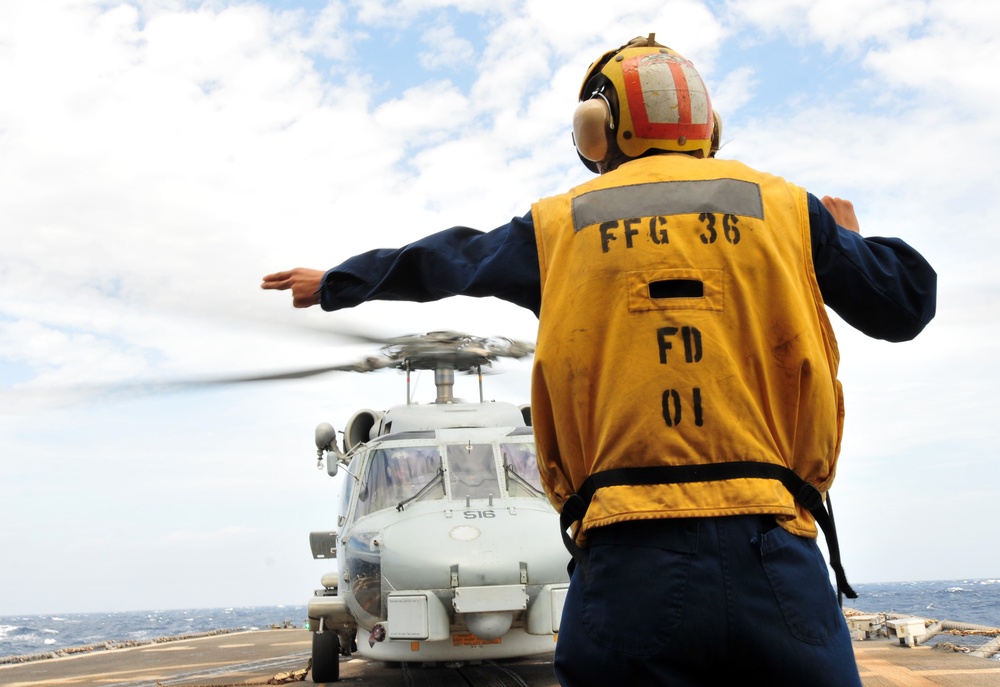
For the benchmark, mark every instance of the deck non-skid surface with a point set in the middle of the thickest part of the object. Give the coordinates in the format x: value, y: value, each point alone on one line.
x: 255, y: 658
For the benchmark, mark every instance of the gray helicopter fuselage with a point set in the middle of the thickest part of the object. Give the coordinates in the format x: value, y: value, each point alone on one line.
x: 448, y: 548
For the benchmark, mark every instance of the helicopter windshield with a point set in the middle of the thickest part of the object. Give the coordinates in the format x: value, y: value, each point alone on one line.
x: 472, y: 471
x: 521, y: 468
x: 397, y: 474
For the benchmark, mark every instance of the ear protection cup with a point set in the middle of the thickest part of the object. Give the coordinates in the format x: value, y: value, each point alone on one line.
x: 591, y: 124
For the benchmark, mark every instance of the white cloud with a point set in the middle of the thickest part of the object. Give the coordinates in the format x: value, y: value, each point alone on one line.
x: 445, y: 50
x: 328, y: 34
x: 835, y: 23
x: 425, y: 115
x: 734, y: 91
x: 398, y: 12
x: 951, y: 61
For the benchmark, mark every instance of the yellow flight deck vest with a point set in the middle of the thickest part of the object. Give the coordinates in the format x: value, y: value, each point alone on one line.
x: 681, y: 324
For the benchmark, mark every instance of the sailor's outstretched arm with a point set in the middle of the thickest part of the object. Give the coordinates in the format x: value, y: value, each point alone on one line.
x: 455, y: 262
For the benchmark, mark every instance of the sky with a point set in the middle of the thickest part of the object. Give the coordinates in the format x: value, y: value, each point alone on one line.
x: 158, y: 157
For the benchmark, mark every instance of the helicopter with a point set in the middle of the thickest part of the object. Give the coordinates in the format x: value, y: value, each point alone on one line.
x: 446, y: 547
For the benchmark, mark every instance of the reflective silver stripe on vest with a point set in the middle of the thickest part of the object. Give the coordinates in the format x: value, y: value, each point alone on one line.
x: 665, y: 198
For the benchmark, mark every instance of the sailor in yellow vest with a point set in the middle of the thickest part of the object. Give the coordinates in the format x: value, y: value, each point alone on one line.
x: 685, y: 399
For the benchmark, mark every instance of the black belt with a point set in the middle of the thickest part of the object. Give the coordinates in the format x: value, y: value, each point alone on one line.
x: 804, y: 493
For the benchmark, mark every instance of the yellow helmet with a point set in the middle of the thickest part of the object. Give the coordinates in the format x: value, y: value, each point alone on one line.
x: 650, y: 96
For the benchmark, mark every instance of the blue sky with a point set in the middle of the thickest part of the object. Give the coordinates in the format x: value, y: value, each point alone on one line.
x: 158, y: 157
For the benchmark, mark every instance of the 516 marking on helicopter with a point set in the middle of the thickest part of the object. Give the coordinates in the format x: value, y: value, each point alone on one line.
x: 473, y: 514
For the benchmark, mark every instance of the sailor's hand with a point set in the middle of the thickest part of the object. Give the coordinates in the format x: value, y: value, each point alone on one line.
x: 843, y: 212
x: 303, y: 282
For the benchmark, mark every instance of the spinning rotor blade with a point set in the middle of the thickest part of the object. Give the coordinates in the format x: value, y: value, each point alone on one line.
x: 441, y: 349
x: 16, y: 399
x: 366, y: 365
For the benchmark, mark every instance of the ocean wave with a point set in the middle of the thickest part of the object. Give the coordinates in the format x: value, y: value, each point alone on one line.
x: 975, y: 601
x: 25, y: 635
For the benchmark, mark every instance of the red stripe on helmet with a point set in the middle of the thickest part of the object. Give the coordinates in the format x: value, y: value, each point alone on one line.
x: 683, y: 95
x: 646, y: 129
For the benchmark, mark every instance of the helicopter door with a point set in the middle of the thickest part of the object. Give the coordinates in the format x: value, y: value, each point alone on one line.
x: 472, y: 471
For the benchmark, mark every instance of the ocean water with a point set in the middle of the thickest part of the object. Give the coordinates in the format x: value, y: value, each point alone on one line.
x: 38, y: 634
x: 965, y: 601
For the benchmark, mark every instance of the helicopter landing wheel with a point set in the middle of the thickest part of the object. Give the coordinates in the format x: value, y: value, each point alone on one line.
x: 326, y: 657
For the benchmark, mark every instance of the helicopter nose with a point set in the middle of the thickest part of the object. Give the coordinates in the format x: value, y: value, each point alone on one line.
x: 433, y: 551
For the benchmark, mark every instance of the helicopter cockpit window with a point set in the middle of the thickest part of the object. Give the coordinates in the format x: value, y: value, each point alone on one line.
x: 472, y: 471
x: 397, y: 474
x: 521, y: 469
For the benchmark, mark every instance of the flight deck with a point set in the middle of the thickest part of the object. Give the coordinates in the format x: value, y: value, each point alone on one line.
x: 269, y: 657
